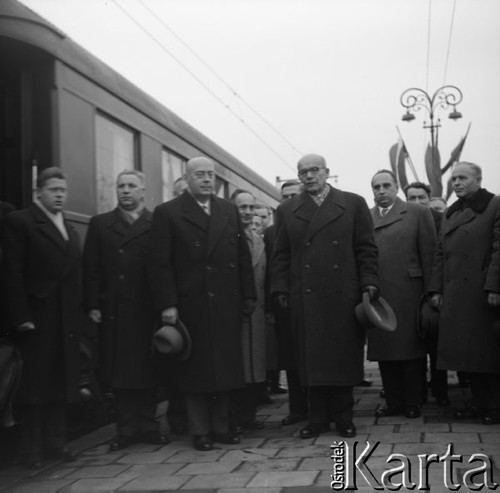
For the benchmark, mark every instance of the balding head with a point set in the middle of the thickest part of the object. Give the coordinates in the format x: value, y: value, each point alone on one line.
x: 313, y: 173
x: 312, y: 160
x: 466, y: 179
x: 200, y: 177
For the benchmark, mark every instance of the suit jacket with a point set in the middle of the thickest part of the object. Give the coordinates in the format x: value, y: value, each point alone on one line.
x: 202, y: 265
x: 116, y: 282
x: 406, y: 238
x: 466, y: 267
x: 323, y: 256
x: 42, y: 273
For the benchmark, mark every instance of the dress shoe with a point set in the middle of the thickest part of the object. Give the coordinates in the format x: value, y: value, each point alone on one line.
x: 253, y: 425
x: 490, y: 420
x: 63, y: 454
x: 226, y: 438
x: 265, y: 399
x: 412, y: 412
x: 313, y: 430
x: 154, y: 437
x: 382, y: 412
x: 292, y: 419
x: 365, y: 383
x: 120, y: 442
x: 466, y: 413
x: 346, y: 430
x: 237, y: 429
x: 203, y: 443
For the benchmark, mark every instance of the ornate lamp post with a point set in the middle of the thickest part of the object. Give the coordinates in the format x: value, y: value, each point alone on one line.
x: 446, y: 97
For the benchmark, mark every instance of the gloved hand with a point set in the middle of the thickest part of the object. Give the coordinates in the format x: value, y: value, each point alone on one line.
x: 373, y: 292
x: 281, y: 301
x: 436, y: 301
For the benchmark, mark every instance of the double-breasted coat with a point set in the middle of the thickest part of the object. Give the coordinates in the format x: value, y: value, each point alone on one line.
x: 466, y: 266
x: 43, y: 285
x: 202, y: 265
x: 406, y: 239
x: 254, y: 329
x: 116, y: 282
x: 322, y: 258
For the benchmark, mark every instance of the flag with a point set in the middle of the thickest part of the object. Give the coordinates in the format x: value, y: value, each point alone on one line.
x: 433, y: 170
x: 401, y: 156
x: 455, y: 154
x: 392, y: 157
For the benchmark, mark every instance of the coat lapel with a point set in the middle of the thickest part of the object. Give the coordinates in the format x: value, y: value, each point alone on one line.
x: 458, y: 219
x: 192, y: 212
x: 397, y: 212
x: 141, y: 226
x: 218, y: 222
x: 332, y: 207
x: 48, y: 228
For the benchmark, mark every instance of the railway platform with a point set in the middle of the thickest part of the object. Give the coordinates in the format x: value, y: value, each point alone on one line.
x: 276, y: 460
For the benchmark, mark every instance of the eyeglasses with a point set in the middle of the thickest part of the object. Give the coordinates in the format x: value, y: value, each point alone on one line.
x: 314, y: 171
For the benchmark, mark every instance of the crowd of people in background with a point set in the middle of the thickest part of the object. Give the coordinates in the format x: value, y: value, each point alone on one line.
x: 209, y: 299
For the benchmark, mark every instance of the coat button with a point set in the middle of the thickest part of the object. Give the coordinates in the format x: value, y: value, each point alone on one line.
x: 335, y: 243
x: 121, y: 250
x: 121, y: 277
x: 307, y: 243
x: 307, y: 266
x: 211, y: 294
x: 308, y: 290
x: 231, y: 265
x: 335, y: 267
x: 197, y: 244
x: 208, y: 267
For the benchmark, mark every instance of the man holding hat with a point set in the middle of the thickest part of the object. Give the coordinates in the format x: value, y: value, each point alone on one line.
x: 406, y: 237
x: 118, y: 299
x: 201, y: 273
x: 324, y: 257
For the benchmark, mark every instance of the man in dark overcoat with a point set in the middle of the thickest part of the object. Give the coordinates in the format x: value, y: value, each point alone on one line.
x: 466, y: 287
x: 42, y: 263
x: 201, y: 272
x: 406, y: 238
x: 118, y: 299
x: 324, y: 257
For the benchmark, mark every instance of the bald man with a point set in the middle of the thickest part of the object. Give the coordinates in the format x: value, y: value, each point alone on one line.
x: 201, y: 273
x: 324, y: 257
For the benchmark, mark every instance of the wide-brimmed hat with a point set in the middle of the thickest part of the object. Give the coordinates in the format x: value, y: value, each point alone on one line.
x: 375, y: 314
x: 427, y: 318
x: 173, y: 340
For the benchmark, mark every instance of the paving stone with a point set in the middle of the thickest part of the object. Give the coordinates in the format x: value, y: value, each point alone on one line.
x: 414, y: 449
x: 59, y: 472
x: 282, y: 479
x: 475, y: 427
x: 96, y: 460
x: 408, y: 437
x: 249, y: 454
x: 208, y: 468
x: 269, y: 465
x: 253, y: 490
x: 288, y: 442
x: 316, y: 464
x: 98, y: 471
x: 329, y: 439
x: 388, y: 420
x: 152, y: 470
x: 455, y: 438
x: 196, y: 456
x: 155, y: 483
x: 427, y: 427
x: 234, y: 480
x: 307, y: 451
x: 145, y: 458
x: 490, y: 437
x: 41, y: 486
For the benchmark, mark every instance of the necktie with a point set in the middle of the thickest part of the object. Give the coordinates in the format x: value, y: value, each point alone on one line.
x: 385, y: 210
x: 205, y: 209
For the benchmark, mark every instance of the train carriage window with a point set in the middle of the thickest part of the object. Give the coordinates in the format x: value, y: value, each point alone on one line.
x: 221, y: 187
x: 115, y: 151
x: 173, y: 168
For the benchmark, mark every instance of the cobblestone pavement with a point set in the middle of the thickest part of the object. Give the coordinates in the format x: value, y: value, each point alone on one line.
x: 275, y: 460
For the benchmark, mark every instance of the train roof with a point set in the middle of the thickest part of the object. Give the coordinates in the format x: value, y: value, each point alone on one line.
x: 19, y: 22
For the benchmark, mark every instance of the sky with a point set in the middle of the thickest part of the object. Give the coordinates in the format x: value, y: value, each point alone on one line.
x: 306, y: 76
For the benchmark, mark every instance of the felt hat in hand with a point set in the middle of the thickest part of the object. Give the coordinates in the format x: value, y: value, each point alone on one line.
x: 173, y: 340
x: 376, y: 314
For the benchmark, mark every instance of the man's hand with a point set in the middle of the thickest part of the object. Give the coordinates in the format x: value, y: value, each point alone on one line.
x: 493, y: 299
x: 281, y: 301
x: 373, y: 292
x: 26, y: 326
x: 170, y: 316
x: 248, y: 307
x: 436, y: 301
x: 95, y: 315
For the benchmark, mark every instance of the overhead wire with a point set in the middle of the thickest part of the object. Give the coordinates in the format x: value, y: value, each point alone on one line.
x: 449, y: 42
x: 205, y: 86
x: 429, y: 17
x: 220, y: 79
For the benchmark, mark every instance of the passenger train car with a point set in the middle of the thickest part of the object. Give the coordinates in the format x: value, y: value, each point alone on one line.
x: 61, y: 106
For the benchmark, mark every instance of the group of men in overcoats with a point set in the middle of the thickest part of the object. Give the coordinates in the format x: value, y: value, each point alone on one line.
x: 190, y: 263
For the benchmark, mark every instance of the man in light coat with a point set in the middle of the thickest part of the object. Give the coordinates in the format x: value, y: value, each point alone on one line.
x: 117, y: 297
x: 466, y: 287
x: 201, y: 273
x: 406, y: 238
x: 324, y: 257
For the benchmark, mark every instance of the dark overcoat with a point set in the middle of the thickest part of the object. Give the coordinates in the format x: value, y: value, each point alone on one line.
x: 202, y: 265
x: 323, y: 256
x: 406, y: 239
x: 43, y: 285
x: 116, y: 282
x: 466, y: 266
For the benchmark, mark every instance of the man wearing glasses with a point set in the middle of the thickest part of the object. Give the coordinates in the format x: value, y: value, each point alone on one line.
x: 325, y: 256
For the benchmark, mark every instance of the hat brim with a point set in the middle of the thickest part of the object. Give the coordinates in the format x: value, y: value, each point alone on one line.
x: 187, y: 345
x: 378, y: 314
